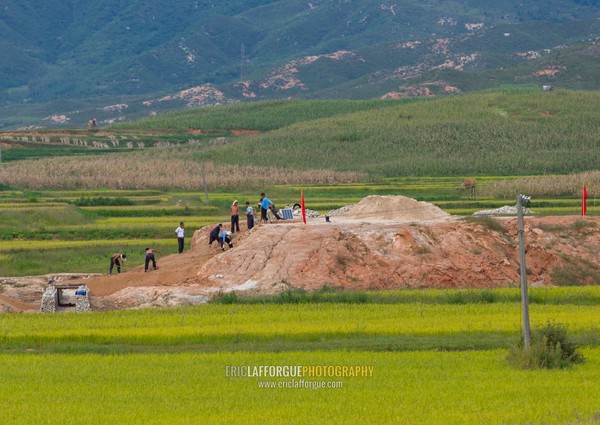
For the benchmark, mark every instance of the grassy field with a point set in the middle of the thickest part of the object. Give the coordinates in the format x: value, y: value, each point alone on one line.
x: 407, y: 387
x: 505, y: 133
x: 432, y: 360
x: 304, y: 326
x: 263, y: 116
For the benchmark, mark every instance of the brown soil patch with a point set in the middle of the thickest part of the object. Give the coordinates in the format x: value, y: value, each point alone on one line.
x: 399, y: 209
x: 10, y: 304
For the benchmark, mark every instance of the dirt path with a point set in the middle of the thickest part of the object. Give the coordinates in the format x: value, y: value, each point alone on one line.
x: 16, y: 305
x: 173, y: 270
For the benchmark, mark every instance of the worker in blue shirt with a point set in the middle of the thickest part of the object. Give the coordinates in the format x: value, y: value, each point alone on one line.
x: 225, y: 238
x: 265, y: 205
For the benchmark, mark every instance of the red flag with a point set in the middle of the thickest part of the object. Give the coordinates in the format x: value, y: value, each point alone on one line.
x: 584, y: 201
x: 303, y: 206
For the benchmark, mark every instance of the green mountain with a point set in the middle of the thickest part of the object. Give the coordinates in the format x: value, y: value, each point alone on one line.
x: 69, y: 60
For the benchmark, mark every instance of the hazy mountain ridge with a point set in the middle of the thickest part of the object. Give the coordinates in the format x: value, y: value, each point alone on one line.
x: 261, y: 49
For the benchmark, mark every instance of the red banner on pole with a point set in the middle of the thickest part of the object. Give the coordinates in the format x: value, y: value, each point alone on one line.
x: 303, y: 206
x: 584, y: 201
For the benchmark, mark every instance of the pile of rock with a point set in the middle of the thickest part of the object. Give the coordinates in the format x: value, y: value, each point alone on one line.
x: 340, y: 211
x: 505, y: 210
x: 309, y: 213
x: 49, y: 300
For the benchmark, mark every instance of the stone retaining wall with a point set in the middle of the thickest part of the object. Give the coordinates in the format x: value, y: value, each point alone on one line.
x: 49, y: 300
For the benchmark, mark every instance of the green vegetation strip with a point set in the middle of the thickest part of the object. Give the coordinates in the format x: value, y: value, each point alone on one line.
x: 117, y: 231
x: 50, y: 245
x: 579, y: 295
x: 20, y: 206
x: 262, y: 116
x: 191, y: 222
x: 295, y: 326
x: 90, y: 258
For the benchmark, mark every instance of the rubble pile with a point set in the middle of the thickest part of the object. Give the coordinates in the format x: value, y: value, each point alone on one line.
x: 505, y: 210
x: 309, y: 213
x: 340, y: 211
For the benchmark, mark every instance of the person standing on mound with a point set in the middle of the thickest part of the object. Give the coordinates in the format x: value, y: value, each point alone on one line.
x: 234, y: 211
x: 249, y: 215
x: 180, y: 236
x: 265, y: 205
x: 150, y: 257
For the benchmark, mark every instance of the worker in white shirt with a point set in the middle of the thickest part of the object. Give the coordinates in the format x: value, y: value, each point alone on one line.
x: 180, y: 237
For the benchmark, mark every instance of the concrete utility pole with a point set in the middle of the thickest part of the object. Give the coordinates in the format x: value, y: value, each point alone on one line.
x: 522, y: 199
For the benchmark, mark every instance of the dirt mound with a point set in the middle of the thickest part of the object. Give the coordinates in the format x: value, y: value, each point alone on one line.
x: 173, y: 283
x: 451, y: 254
x: 399, y: 209
x: 456, y: 254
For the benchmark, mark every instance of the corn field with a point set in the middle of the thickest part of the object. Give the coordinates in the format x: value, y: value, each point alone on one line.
x: 156, y: 170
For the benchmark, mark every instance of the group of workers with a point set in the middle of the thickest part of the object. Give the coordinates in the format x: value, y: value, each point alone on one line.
x: 117, y: 258
x: 224, y: 236
x: 217, y: 234
x: 265, y: 205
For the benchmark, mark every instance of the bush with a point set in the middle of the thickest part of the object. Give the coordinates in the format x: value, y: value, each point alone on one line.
x: 226, y: 298
x: 488, y: 297
x: 457, y: 298
x: 490, y: 222
x: 550, y: 349
x: 291, y: 296
x: 326, y: 294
